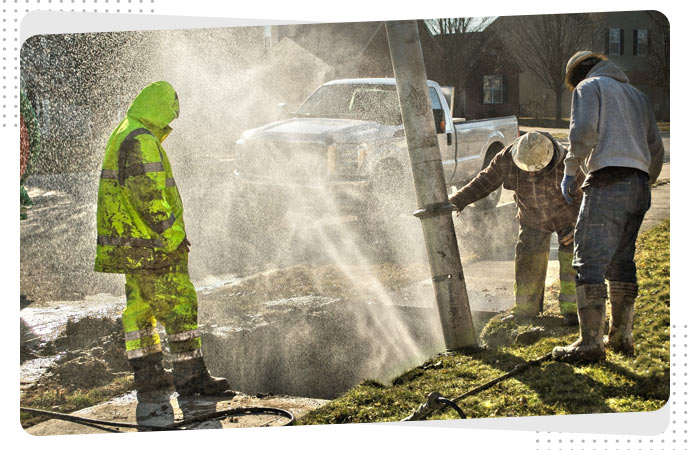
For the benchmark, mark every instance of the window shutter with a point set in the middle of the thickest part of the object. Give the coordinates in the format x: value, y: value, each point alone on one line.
x: 649, y: 41
x: 504, y: 89
x: 622, y: 34
x: 607, y: 44
x: 635, y: 42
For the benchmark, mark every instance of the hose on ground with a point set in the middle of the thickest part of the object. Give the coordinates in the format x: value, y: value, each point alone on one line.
x: 436, y: 402
x: 102, y: 424
x: 453, y: 405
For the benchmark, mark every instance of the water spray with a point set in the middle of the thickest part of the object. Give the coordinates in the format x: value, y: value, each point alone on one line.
x: 425, y: 157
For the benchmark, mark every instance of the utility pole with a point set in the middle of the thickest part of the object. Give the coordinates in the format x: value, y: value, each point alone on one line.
x: 430, y: 186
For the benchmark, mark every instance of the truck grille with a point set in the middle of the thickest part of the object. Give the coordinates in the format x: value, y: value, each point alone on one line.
x: 291, y: 162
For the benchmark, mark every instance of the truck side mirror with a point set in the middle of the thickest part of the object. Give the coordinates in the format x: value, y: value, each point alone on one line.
x: 439, y: 120
x: 282, y: 110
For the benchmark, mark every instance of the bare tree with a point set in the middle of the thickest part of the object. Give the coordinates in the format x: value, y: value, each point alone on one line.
x: 542, y: 44
x: 463, y: 41
x: 658, y: 56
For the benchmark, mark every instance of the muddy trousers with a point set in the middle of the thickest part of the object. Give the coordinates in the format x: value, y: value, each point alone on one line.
x: 531, y: 262
x: 168, y: 298
x: 607, y: 226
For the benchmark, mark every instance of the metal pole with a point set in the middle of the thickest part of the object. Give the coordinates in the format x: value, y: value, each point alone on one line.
x: 432, y: 197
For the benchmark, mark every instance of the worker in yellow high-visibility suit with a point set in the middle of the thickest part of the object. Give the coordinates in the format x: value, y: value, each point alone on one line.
x: 141, y: 233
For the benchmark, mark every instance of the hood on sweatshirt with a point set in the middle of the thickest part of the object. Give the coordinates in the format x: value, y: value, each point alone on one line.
x: 608, y: 69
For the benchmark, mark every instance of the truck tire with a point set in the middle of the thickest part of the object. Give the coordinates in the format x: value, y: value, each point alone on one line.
x: 491, y: 200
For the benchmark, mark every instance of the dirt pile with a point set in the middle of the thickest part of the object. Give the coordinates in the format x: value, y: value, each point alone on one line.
x: 89, y: 352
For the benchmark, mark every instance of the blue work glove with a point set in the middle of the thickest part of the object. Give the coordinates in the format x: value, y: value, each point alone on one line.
x: 566, y: 187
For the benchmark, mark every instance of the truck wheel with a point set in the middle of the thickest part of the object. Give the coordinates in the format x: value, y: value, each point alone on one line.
x: 491, y: 200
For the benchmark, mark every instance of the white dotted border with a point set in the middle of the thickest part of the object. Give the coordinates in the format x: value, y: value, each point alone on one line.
x: 12, y: 13
x: 674, y: 438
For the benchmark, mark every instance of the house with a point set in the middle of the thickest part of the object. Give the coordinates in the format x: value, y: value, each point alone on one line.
x: 360, y: 49
x: 637, y: 41
x: 485, y: 75
x: 351, y: 50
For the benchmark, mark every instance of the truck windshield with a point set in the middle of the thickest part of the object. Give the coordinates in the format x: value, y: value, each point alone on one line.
x: 378, y: 103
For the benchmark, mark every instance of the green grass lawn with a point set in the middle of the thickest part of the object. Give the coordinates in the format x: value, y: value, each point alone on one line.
x: 620, y: 384
x: 550, y: 122
x: 545, y: 122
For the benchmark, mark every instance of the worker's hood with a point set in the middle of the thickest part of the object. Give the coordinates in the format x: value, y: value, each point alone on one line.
x: 156, y: 106
x: 608, y: 69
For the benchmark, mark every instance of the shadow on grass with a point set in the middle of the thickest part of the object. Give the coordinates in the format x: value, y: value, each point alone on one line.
x: 559, y: 385
x: 653, y: 387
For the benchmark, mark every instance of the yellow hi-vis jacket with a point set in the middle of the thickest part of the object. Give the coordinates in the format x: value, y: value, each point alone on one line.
x: 139, y: 216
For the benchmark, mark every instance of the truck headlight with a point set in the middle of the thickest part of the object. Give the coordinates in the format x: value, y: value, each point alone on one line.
x: 346, y: 159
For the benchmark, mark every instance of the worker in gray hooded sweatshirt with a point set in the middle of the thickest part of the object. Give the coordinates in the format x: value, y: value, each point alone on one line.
x: 614, y: 139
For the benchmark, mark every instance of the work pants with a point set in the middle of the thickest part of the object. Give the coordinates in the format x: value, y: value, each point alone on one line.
x: 531, y: 263
x: 168, y: 298
x: 607, y: 227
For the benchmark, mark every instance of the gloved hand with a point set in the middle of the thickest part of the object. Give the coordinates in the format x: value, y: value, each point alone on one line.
x: 458, y: 209
x: 566, y: 187
x: 185, y: 244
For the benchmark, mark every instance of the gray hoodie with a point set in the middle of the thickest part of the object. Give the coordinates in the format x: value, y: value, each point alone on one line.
x: 612, y: 124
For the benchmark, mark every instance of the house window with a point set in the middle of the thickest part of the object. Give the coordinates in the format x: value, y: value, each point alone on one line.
x: 640, y: 40
x: 615, y: 41
x: 493, y: 89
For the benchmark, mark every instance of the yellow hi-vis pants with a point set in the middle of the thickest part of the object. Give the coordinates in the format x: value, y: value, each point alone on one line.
x: 531, y: 262
x: 169, y: 298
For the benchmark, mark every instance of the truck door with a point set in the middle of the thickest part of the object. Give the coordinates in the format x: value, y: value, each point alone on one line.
x: 471, y: 138
x: 444, y: 134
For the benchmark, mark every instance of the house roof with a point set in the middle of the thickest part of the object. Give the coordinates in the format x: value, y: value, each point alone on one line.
x: 335, y: 43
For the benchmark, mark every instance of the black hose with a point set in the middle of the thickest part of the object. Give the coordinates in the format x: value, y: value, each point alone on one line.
x: 96, y: 423
x: 432, y: 403
x: 516, y: 370
x: 452, y: 404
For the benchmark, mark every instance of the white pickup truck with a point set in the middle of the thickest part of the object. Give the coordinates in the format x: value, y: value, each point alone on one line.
x: 346, y: 142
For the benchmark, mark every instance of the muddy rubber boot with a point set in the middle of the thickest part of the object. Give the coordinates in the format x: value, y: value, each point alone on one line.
x: 150, y: 375
x: 622, y: 297
x: 191, y: 377
x: 591, y: 312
